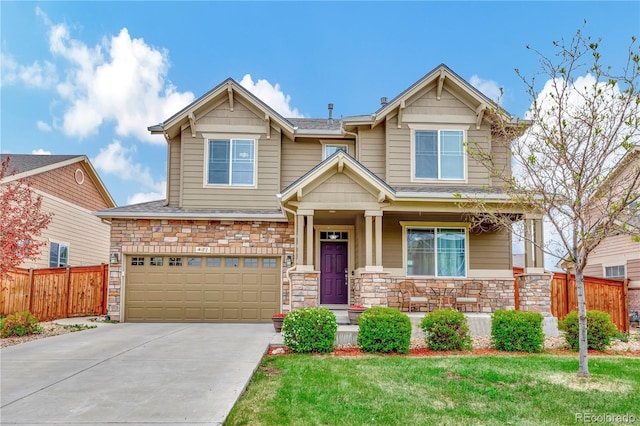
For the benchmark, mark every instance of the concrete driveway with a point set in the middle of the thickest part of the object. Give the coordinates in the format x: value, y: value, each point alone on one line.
x: 131, y: 374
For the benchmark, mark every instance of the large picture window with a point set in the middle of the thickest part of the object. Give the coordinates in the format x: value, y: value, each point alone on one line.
x: 231, y: 162
x: 58, y: 254
x: 439, y: 154
x: 439, y: 252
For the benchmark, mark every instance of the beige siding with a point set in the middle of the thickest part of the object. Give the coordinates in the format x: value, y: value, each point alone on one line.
x: 501, y: 155
x: 86, y: 235
x: 174, y: 172
x: 594, y: 270
x: 195, y: 195
x: 339, y: 188
x: 298, y: 158
x: 391, y: 242
x: 615, y: 250
x: 490, y: 250
x: 633, y: 270
x: 372, y: 150
x: 398, y: 148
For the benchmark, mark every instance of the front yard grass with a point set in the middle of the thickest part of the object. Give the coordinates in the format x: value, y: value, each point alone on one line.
x: 442, y: 390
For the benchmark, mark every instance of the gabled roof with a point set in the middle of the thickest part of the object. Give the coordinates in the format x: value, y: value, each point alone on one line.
x: 436, y: 76
x: 339, y: 161
x: 229, y: 88
x: 26, y: 165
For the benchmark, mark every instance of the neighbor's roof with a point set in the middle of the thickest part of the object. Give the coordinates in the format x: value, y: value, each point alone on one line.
x: 26, y: 165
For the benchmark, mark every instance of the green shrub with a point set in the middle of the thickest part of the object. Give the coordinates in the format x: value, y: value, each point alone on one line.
x: 516, y: 331
x: 19, y: 324
x: 310, y: 330
x: 446, y: 330
x: 600, y: 330
x: 384, y: 330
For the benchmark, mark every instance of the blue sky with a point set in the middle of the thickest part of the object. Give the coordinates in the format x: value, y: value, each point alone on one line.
x: 89, y: 77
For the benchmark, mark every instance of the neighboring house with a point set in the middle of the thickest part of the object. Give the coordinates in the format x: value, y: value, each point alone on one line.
x: 618, y: 256
x: 266, y: 213
x: 70, y: 189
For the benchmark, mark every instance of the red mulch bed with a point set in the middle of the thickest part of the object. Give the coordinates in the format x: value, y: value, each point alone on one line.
x: 425, y: 352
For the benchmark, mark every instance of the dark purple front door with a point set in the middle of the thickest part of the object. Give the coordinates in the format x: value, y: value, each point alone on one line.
x: 333, y: 272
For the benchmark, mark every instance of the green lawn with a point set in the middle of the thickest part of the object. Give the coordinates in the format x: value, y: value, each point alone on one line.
x: 447, y: 390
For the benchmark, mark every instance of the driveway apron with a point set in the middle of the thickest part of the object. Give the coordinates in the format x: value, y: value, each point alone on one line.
x: 131, y: 374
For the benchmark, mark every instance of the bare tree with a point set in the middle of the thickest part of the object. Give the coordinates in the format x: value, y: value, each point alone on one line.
x: 21, y: 220
x: 577, y: 160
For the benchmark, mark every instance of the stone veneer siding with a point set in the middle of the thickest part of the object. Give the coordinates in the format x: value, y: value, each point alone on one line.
x: 535, y: 293
x: 371, y: 289
x: 163, y: 236
x: 496, y: 293
x: 305, y: 289
x: 634, y: 299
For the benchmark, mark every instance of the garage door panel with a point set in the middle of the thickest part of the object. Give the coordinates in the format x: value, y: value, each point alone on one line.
x: 216, y: 289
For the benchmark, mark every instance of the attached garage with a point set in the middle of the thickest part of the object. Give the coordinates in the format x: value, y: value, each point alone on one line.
x: 179, y: 288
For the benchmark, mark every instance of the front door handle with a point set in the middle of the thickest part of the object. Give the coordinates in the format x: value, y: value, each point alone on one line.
x: 346, y: 277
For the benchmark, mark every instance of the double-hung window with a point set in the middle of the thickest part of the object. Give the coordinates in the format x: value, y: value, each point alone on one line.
x: 231, y: 162
x: 438, y: 154
x: 436, y: 252
x: 58, y: 254
x: 330, y: 149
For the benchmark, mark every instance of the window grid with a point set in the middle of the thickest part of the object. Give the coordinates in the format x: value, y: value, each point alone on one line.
x: 137, y: 261
x: 268, y: 263
x: 439, y: 252
x: 231, y: 162
x: 194, y: 261
x: 439, y: 154
x: 156, y: 261
x: 616, y: 271
x: 175, y: 261
x: 213, y: 262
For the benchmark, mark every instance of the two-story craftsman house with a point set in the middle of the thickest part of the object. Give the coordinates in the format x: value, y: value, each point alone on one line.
x: 265, y: 213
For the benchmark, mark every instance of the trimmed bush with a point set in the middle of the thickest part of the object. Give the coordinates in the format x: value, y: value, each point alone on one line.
x: 310, y: 330
x: 446, y: 330
x: 600, y: 330
x: 384, y: 330
x: 19, y: 324
x: 516, y: 331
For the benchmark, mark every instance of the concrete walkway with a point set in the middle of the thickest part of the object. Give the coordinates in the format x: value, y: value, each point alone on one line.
x: 131, y: 374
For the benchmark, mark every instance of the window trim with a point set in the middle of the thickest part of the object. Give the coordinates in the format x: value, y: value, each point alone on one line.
x: 432, y: 128
x: 433, y: 225
x: 326, y: 144
x: 60, y: 244
x: 229, y: 137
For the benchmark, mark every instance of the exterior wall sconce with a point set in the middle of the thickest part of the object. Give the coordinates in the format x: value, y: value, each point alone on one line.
x: 288, y: 261
x: 114, y: 257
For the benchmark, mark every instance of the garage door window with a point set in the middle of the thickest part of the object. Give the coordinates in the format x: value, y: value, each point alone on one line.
x: 194, y: 261
x: 251, y: 262
x: 232, y: 262
x: 175, y: 261
x: 268, y: 263
x: 156, y: 261
x: 213, y: 262
x: 137, y: 261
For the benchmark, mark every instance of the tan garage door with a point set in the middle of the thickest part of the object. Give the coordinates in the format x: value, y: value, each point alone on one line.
x: 201, y: 289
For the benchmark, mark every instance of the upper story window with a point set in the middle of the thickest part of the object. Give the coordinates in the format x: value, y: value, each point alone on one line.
x: 436, y: 252
x: 231, y: 162
x: 614, y: 271
x: 330, y: 149
x: 58, y: 254
x: 438, y: 154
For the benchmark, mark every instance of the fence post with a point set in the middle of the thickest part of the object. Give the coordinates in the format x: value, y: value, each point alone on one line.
x: 105, y: 287
x: 625, y: 305
x: 69, y: 301
x: 516, y: 292
x: 31, y: 290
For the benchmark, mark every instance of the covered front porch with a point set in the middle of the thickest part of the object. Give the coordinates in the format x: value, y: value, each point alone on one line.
x: 356, y: 239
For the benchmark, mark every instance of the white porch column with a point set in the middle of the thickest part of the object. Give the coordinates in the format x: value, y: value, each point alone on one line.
x: 538, y: 238
x: 310, y: 239
x: 299, y: 239
x: 379, y: 240
x: 368, y: 240
x: 533, y: 240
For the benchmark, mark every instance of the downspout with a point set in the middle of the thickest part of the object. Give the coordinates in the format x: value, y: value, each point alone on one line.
x: 355, y: 135
x: 295, y: 264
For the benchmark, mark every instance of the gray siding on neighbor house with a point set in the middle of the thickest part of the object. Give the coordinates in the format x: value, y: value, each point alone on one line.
x: 263, y: 196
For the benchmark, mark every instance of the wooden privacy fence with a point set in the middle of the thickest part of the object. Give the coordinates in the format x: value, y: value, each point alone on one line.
x: 610, y: 296
x: 56, y: 293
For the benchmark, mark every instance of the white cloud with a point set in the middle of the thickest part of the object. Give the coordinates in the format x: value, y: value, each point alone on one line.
x: 489, y: 88
x: 36, y: 75
x: 143, y: 197
x: 40, y: 151
x: 121, y: 80
x: 45, y: 127
x: 271, y: 95
x: 117, y: 160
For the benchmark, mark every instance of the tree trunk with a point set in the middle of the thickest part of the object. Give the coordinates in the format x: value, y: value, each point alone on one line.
x: 583, y: 370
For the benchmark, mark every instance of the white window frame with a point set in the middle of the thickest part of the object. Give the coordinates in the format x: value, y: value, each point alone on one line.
x: 616, y: 265
x: 60, y: 245
x: 230, y: 139
x: 325, y: 145
x: 433, y: 226
x: 431, y: 128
